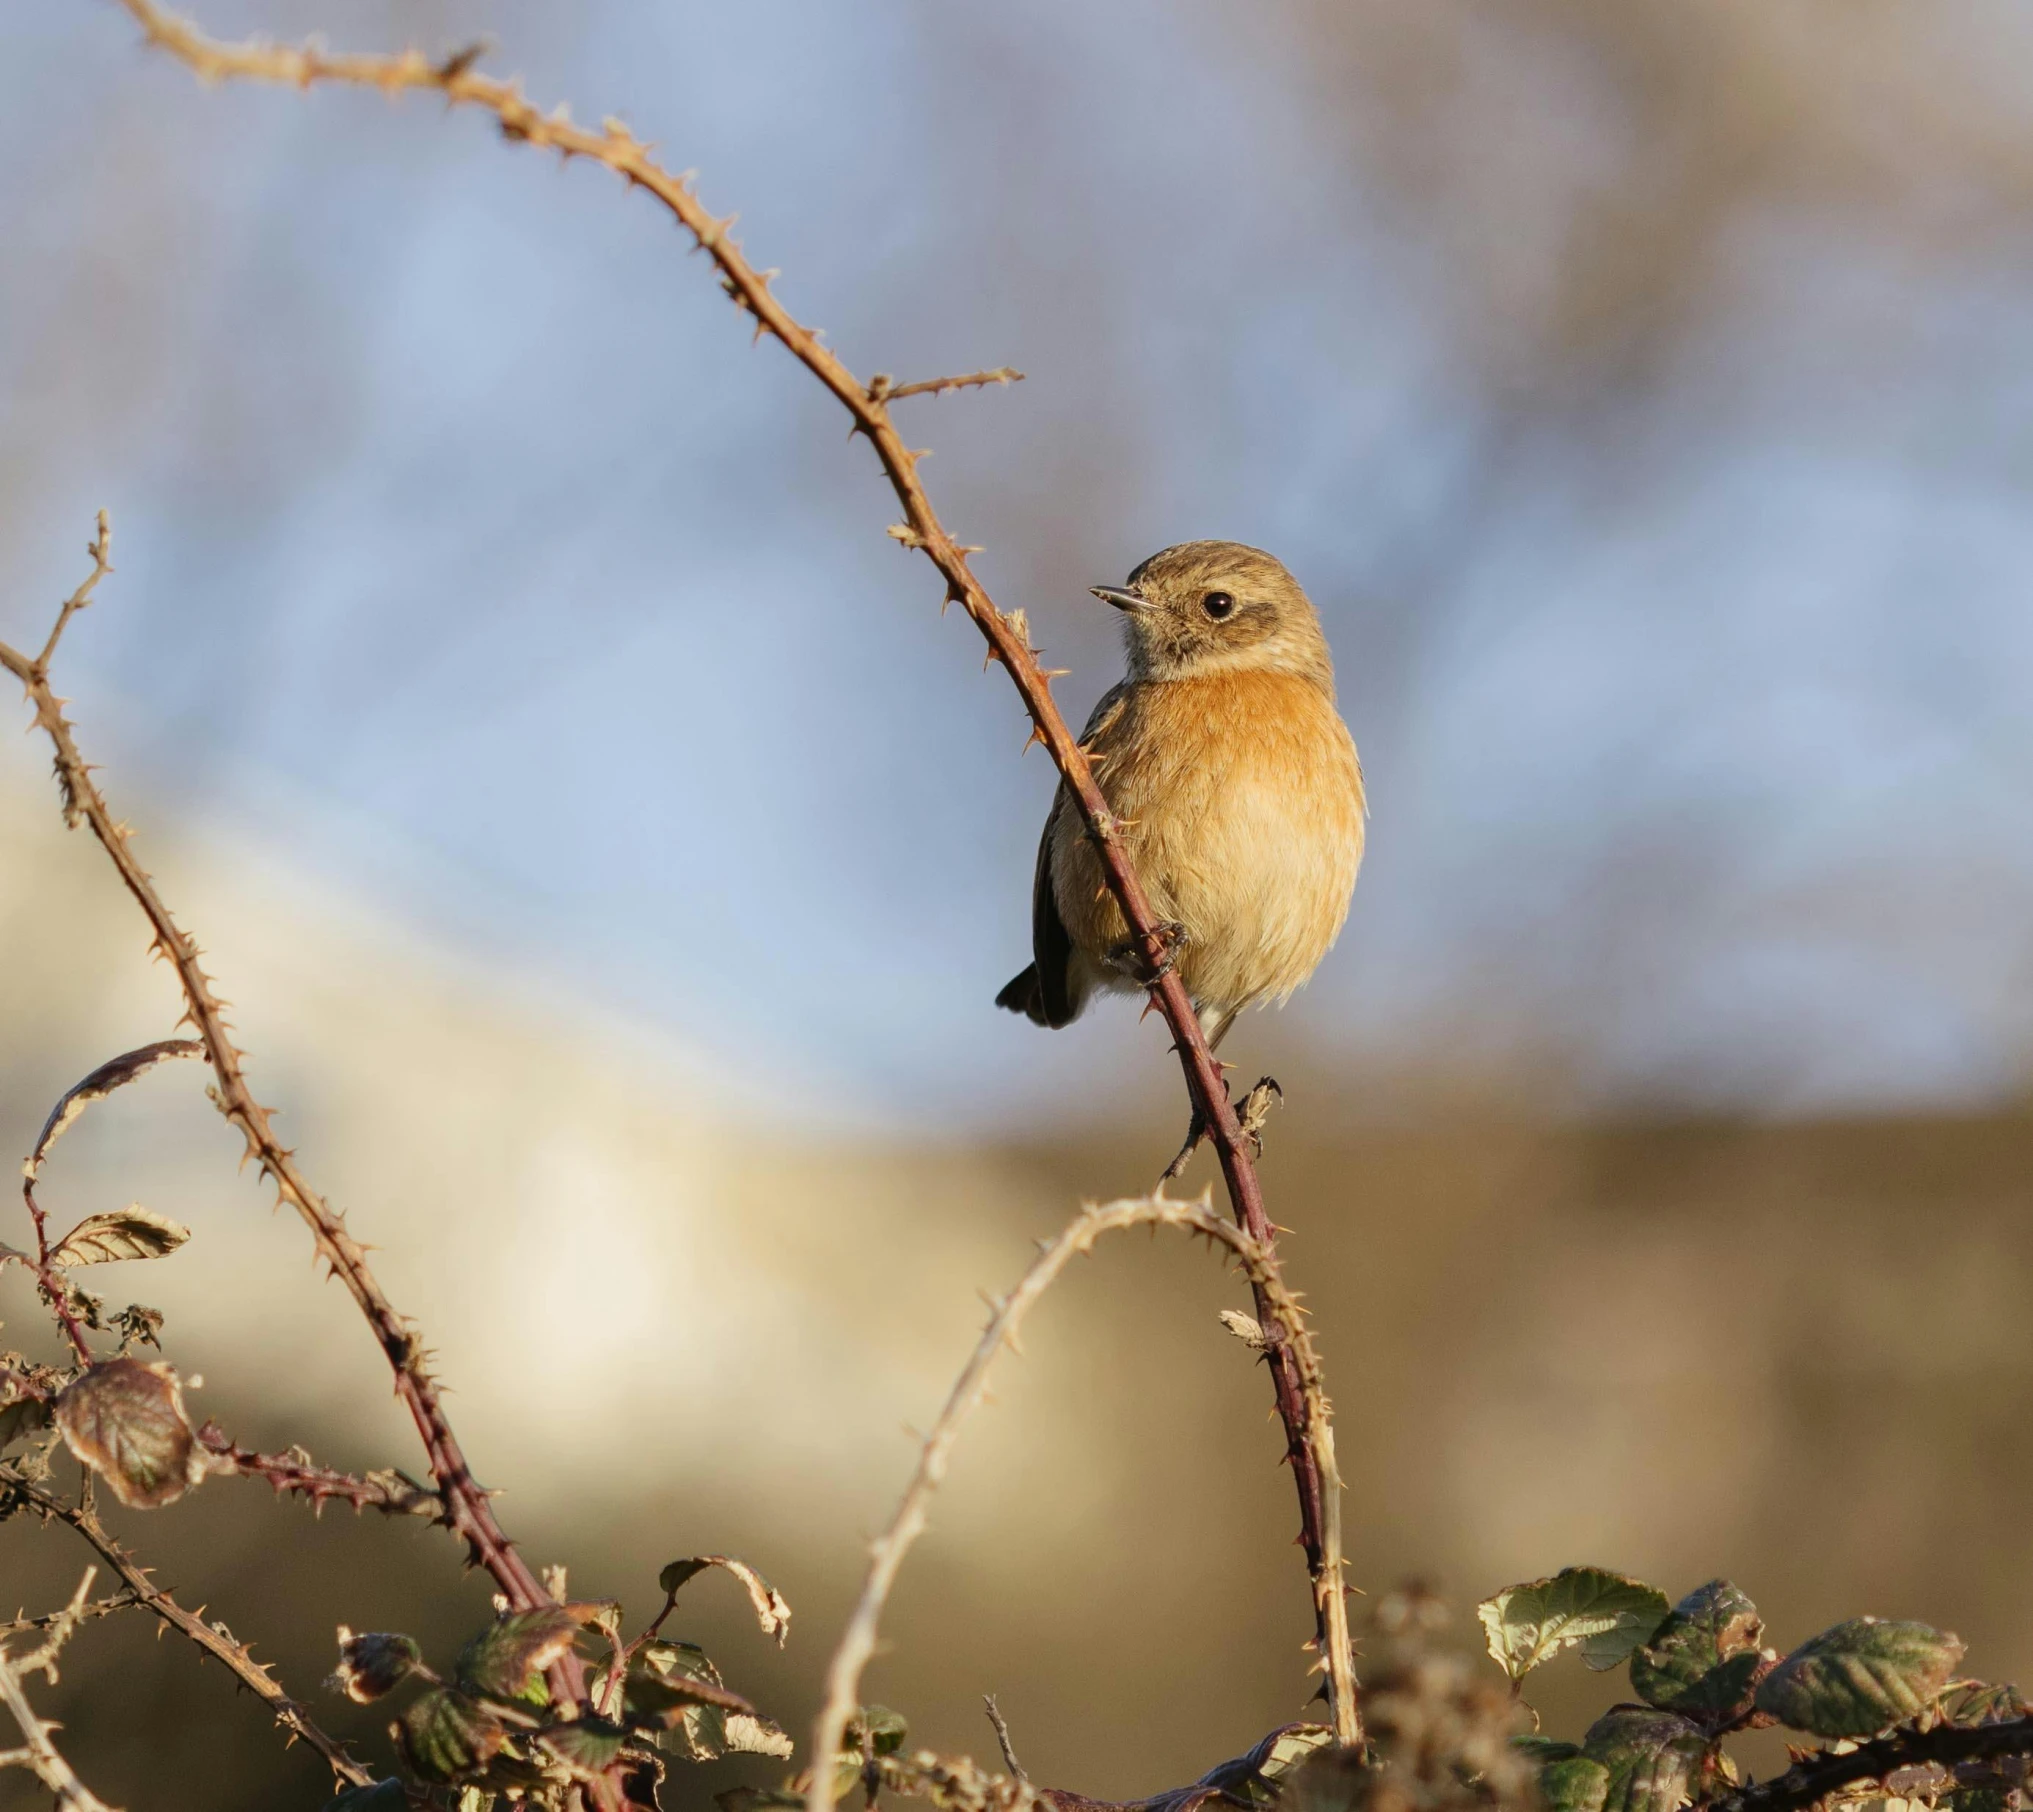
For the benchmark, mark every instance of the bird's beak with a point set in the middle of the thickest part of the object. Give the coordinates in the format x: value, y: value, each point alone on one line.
x: 1121, y: 597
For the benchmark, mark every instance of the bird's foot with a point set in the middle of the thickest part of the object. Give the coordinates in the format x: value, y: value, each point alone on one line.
x: 1253, y: 1110
x: 1127, y: 957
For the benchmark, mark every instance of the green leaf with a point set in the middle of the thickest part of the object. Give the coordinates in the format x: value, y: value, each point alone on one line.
x: 771, y: 1609
x: 507, y: 1659
x: 382, y: 1796
x: 1544, y: 1749
x: 1573, y: 1783
x: 588, y: 1747
x: 1603, y: 1614
x: 1650, y: 1759
x: 886, y: 1730
x: 125, y: 1420
x: 135, y: 1232
x: 374, y: 1664
x: 1704, y: 1661
x: 446, y: 1736
x: 1854, y: 1680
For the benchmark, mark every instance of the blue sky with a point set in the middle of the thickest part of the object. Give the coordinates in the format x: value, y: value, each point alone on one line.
x: 1643, y: 403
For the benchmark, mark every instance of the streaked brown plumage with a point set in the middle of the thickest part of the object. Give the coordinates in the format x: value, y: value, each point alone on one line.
x: 1238, y: 789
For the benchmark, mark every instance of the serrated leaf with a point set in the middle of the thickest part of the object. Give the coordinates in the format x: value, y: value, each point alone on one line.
x: 1969, y: 1703
x: 1704, y: 1661
x: 1650, y: 1759
x: 125, y: 1420
x: 709, y: 1732
x: 379, y: 1796
x: 1603, y: 1614
x: 374, y: 1663
x: 507, y: 1659
x: 116, y: 1073
x: 135, y: 1232
x: 587, y: 1747
x: 667, y: 1679
x: 446, y: 1736
x: 771, y: 1610
x: 1573, y: 1783
x: 1859, y: 1677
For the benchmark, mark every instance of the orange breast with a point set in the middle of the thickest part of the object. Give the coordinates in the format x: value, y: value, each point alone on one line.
x: 1242, y: 805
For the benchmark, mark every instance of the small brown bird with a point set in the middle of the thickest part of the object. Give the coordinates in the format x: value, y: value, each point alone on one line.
x: 1238, y: 790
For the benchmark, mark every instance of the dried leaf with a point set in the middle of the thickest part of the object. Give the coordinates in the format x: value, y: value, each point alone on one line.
x: 1650, y: 1760
x: 771, y: 1611
x: 1603, y: 1614
x: 125, y: 1420
x: 705, y: 1733
x: 373, y: 1664
x: 98, y: 1085
x: 445, y: 1736
x: 135, y: 1232
x: 1854, y: 1680
x: 507, y: 1659
x: 1704, y: 1661
x: 1970, y: 1703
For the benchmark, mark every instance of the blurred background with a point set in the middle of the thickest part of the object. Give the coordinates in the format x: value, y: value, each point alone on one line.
x: 612, y: 855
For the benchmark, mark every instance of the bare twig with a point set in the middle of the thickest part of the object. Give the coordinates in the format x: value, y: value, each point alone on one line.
x: 749, y: 288
x: 1008, y: 1748
x: 886, y: 1554
x: 884, y: 389
x: 38, y: 1752
x: 214, y: 1638
x: 466, y: 1508
x: 1945, y: 1745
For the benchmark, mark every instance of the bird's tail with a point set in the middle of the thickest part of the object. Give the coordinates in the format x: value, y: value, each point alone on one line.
x: 1024, y: 996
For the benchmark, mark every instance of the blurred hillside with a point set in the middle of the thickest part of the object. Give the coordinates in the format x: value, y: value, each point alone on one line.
x: 673, y: 1324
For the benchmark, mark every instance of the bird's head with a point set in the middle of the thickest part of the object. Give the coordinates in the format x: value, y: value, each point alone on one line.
x: 1207, y: 607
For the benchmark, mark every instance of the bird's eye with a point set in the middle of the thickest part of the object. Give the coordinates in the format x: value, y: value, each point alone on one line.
x: 1218, y: 604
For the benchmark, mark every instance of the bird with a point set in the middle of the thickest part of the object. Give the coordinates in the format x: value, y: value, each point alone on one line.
x: 1236, y: 787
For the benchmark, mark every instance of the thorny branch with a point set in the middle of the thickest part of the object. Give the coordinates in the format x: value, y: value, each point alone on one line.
x: 214, y: 1638
x: 294, y: 1474
x: 614, y: 146
x: 886, y: 1555
x: 1945, y: 1746
x: 38, y: 1752
x: 466, y: 1509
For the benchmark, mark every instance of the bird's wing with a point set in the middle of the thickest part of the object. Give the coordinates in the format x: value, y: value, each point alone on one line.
x: 1051, y: 943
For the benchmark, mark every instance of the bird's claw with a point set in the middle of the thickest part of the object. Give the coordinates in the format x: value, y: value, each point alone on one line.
x: 1128, y: 956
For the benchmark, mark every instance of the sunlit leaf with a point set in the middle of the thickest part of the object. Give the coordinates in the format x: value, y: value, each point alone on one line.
x: 883, y: 1730
x: 1573, y: 1783
x: 135, y: 1232
x: 1704, y: 1661
x: 1854, y: 1680
x: 1603, y: 1614
x: 125, y: 1420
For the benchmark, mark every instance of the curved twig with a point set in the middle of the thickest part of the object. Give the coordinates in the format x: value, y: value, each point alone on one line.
x: 466, y: 1508
x: 886, y: 1554
x: 620, y: 151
